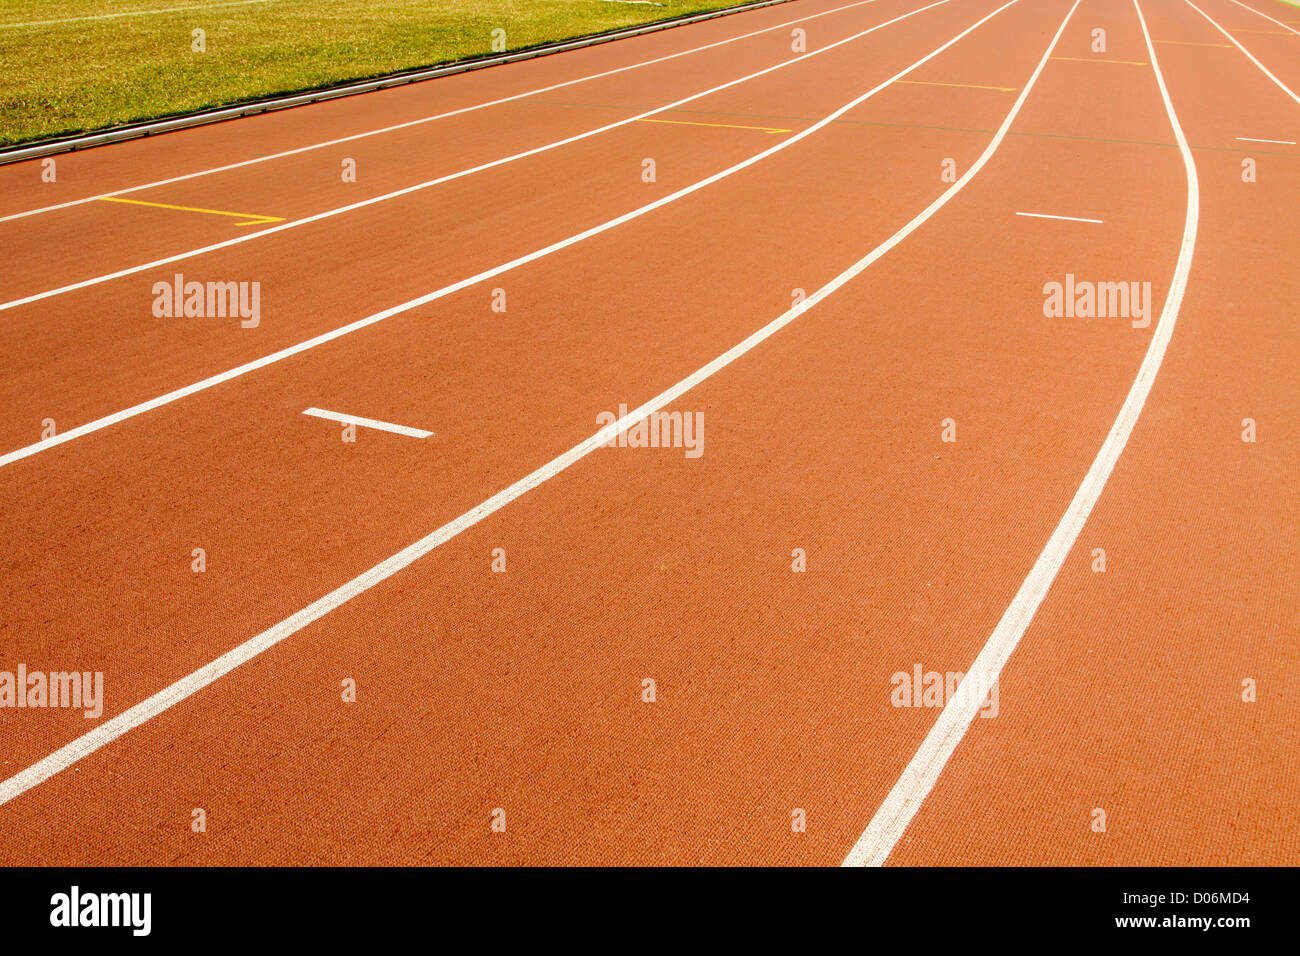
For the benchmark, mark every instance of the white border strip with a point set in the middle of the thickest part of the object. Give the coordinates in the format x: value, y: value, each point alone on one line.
x: 449, y: 177
x: 424, y: 119
x: 367, y: 423
x: 1280, y: 85
x: 922, y: 772
x: 362, y: 323
x: 138, y: 130
x: 151, y: 707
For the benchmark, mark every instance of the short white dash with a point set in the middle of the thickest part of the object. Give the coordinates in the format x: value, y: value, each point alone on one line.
x: 367, y: 423
x: 1280, y: 142
x: 1043, y: 215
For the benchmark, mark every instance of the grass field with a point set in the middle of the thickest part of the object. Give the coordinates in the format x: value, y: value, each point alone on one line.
x: 135, y: 62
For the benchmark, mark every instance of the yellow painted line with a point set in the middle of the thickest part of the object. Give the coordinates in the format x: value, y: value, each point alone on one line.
x: 763, y: 129
x: 1098, y: 59
x: 1226, y: 46
x: 969, y: 86
x: 253, y: 218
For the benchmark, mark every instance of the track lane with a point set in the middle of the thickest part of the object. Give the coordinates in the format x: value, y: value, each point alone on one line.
x: 1128, y: 684
x: 562, y: 632
x: 126, y: 357
x: 48, y: 254
x: 184, y: 152
x: 594, y: 780
x: 1272, y: 43
x: 461, y: 374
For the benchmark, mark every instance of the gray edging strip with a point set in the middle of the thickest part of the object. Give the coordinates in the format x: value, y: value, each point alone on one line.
x: 16, y: 154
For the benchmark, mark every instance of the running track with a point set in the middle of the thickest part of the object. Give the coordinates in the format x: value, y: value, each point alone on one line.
x: 775, y: 171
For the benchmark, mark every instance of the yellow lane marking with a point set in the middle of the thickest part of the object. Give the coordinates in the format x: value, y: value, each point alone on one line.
x: 253, y: 219
x: 969, y: 86
x: 1226, y: 46
x: 763, y: 129
x: 1098, y: 59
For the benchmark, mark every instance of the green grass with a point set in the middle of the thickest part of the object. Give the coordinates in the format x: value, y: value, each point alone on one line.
x: 65, y: 78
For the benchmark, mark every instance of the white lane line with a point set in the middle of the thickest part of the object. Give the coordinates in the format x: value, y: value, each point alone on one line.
x: 135, y: 13
x: 367, y: 422
x: 426, y: 119
x: 173, y: 694
x: 1043, y: 215
x: 922, y: 772
x: 1284, y: 26
x: 1280, y: 85
x: 329, y: 213
x: 1280, y: 142
x: 333, y: 334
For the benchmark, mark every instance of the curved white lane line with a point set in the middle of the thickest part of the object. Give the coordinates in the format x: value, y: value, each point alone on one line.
x: 330, y: 336
x: 922, y: 772
x: 460, y: 174
x: 1267, y: 17
x: 424, y: 119
x: 152, y: 706
x: 1282, y: 86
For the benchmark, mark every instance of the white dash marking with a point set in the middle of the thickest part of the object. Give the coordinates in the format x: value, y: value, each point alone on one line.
x: 367, y: 423
x: 1280, y: 142
x: 1043, y: 215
